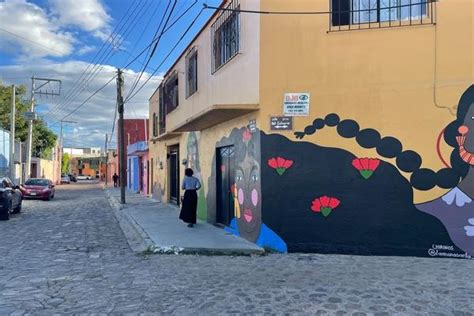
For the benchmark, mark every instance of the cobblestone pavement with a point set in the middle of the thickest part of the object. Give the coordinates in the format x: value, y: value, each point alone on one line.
x: 69, y: 256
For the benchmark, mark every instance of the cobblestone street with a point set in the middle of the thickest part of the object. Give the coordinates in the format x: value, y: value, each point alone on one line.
x: 70, y: 256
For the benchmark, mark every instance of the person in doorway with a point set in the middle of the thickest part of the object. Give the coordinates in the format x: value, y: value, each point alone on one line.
x: 115, y: 178
x: 189, y: 207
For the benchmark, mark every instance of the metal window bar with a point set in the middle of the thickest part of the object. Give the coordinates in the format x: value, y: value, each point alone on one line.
x: 427, y: 7
x: 225, y: 36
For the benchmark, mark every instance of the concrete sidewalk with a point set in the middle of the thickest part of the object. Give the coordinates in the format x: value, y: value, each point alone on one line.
x: 153, y: 226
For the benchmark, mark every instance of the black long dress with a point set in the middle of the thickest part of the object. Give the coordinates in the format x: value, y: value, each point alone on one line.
x: 189, y: 207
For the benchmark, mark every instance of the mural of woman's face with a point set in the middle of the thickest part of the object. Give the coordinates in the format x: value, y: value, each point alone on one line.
x: 469, y: 123
x: 247, y: 183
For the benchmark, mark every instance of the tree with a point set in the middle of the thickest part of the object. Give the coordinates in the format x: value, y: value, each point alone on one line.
x: 44, y: 139
x: 65, y: 164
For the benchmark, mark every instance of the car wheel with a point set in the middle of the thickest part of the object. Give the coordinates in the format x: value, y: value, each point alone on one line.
x: 48, y: 198
x: 4, y: 214
x: 17, y: 209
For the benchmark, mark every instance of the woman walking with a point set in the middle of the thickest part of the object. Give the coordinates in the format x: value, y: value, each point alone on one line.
x: 188, y: 209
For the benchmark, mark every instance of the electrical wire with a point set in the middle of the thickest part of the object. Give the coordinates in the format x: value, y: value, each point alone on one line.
x: 33, y: 42
x: 107, y: 48
x: 167, y: 56
x: 155, y: 46
x: 206, y: 6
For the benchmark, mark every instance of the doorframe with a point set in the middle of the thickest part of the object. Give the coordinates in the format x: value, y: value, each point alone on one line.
x: 171, y: 149
x: 217, y: 182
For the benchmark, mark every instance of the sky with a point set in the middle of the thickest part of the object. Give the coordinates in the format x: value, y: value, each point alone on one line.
x: 82, y: 43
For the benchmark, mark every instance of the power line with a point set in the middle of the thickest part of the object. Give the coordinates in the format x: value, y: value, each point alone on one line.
x: 167, y: 56
x: 99, y: 58
x: 206, y: 6
x: 155, y: 46
x: 33, y: 42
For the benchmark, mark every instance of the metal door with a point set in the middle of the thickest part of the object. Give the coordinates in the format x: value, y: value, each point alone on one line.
x: 225, y: 180
x: 174, y: 174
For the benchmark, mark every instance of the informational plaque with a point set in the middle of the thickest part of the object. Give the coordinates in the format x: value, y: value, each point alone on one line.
x: 296, y: 104
x: 281, y: 123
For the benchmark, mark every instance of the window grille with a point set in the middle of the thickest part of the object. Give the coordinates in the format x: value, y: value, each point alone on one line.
x: 191, y: 72
x: 348, y: 15
x: 225, y: 36
x: 155, y: 125
x: 161, y: 112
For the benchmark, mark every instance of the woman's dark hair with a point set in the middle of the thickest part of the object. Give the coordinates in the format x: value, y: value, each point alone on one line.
x: 406, y: 160
x: 189, y: 172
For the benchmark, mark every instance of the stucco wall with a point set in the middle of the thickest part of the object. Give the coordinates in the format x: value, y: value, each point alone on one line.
x: 237, y: 82
x: 381, y: 78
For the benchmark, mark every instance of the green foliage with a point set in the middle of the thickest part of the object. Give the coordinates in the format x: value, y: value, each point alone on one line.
x: 43, y: 138
x: 65, y: 164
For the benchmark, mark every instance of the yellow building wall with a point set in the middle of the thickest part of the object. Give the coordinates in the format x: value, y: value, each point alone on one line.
x: 47, y: 169
x: 382, y: 78
x: 206, y: 141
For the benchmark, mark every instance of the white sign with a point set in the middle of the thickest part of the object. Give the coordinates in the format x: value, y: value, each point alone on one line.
x: 30, y: 116
x: 296, y: 104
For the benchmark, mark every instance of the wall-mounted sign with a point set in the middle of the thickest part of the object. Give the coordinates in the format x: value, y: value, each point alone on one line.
x: 281, y: 123
x: 296, y: 104
x: 30, y: 116
x: 252, y: 126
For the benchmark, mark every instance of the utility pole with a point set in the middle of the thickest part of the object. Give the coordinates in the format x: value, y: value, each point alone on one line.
x: 29, y: 140
x: 31, y: 116
x: 12, y: 137
x: 121, y: 135
x: 61, y: 147
x: 106, y: 158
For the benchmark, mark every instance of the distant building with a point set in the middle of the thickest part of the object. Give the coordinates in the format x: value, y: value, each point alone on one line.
x: 138, y: 167
x: 83, y: 152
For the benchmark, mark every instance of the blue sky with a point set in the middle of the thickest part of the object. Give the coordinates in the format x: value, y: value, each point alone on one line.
x: 63, y: 38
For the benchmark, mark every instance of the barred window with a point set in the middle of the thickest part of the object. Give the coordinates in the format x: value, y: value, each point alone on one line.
x: 191, y: 72
x: 155, y: 124
x: 161, y: 112
x: 225, y: 36
x: 375, y: 12
x: 170, y: 93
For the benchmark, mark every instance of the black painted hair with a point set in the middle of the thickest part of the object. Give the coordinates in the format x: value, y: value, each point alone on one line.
x: 189, y: 172
x: 406, y: 160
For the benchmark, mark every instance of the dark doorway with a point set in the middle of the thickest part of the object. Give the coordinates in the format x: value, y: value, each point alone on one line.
x: 148, y: 176
x: 174, y: 174
x: 225, y: 179
x: 34, y: 170
x: 141, y: 166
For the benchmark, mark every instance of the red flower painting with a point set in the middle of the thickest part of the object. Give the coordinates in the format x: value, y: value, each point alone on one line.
x: 325, y: 205
x: 280, y: 164
x: 246, y: 135
x: 366, y: 166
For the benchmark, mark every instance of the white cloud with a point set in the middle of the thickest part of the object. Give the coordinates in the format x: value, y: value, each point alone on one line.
x: 95, y: 118
x: 29, y: 30
x: 88, y: 15
x: 85, y: 49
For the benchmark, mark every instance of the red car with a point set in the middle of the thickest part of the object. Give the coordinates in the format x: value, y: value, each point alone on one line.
x: 38, y: 189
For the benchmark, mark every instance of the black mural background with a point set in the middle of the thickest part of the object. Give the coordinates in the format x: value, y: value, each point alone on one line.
x: 375, y: 216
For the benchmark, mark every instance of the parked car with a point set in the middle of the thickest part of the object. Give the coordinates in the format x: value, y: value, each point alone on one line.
x: 65, y: 180
x: 84, y: 177
x: 72, y: 178
x: 11, y: 198
x: 38, y: 189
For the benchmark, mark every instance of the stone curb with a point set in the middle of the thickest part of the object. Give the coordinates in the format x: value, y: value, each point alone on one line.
x: 139, y: 240
x: 136, y: 237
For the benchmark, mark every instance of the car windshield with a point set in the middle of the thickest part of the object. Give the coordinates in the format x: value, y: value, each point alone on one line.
x: 40, y: 182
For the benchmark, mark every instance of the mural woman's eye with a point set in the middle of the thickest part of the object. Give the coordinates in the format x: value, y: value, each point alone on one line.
x: 239, y: 176
x: 254, y: 176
